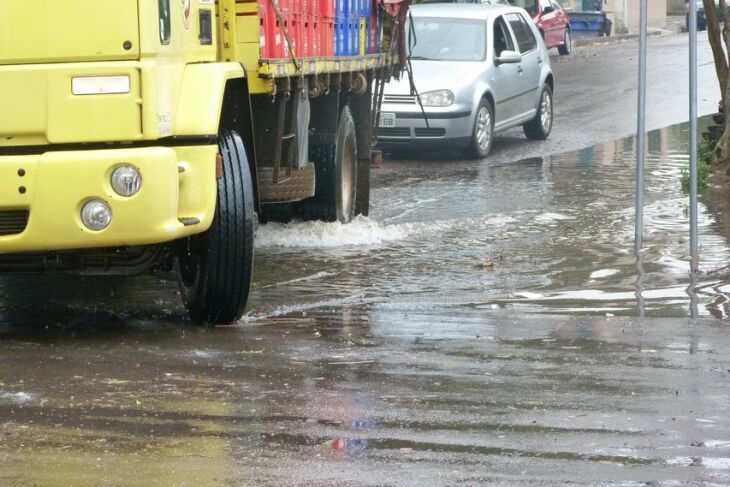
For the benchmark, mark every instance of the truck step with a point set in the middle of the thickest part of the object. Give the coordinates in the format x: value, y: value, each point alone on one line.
x: 188, y: 221
x: 297, y: 186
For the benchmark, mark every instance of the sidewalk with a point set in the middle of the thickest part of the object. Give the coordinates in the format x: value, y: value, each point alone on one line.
x: 674, y: 25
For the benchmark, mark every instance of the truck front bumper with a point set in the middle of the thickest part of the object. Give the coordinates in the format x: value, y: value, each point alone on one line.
x: 177, y: 197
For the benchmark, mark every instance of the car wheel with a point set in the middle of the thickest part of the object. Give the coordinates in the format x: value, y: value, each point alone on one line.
x: 539, y: 127
x: 483, y: 132
x: 567, y: 46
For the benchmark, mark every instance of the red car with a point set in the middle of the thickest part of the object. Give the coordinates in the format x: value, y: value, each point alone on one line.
x: 551, y: 20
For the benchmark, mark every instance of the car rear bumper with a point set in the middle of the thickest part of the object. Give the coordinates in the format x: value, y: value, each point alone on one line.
x: 41, y: 196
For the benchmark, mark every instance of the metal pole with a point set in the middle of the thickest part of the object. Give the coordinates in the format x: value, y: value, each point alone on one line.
x: 640, y: 131
x: 640, y: 301
x: 693, y: 138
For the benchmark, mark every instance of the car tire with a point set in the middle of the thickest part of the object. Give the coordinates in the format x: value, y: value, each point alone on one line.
x: 483, y: 132
x: 215, y: 267
x: 539, y: 127
x: 567, y: 46
x: 336, y: 176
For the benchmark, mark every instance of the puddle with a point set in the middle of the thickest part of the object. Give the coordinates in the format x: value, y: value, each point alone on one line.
x: 551, y: 235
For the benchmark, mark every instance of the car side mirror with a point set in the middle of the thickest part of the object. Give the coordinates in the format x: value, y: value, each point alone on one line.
x: 509, y: 57
x: 548, y: 9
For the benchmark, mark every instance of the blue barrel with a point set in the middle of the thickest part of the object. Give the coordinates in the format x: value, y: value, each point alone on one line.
x: 340, y: 34
x: 590, y: 23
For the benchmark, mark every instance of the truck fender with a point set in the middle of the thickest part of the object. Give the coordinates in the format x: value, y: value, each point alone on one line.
x: 201, y: 96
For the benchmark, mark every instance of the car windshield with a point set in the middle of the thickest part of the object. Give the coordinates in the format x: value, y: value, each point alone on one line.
x: 439, y: 39
x: 529, y: 5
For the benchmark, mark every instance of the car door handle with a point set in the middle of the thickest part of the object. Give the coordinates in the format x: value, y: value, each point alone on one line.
x: 539, y: 60
x: 519, y: 69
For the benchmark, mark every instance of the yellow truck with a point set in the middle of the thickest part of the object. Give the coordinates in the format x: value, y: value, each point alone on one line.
x: 151, y: 133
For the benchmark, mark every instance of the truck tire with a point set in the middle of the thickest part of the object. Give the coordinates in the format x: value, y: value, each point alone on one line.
x: 215, y: 267
x: 336, y: 176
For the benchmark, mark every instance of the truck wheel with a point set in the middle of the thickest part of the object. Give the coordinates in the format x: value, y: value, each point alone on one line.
x: 215, y: 267
x: 336, y: 176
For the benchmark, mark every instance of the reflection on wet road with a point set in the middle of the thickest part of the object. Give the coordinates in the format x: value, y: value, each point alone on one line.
x: 552, y: 235
x: 420, y: 346
x: 386, y: 397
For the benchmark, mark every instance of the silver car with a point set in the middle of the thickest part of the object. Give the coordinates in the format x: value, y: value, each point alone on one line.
x: 478, y: 70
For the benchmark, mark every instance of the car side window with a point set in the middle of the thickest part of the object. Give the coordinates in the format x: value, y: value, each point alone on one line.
x: 502, y: 37
x: 525, y: 38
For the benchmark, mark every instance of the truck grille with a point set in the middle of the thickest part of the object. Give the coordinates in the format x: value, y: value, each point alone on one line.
x: 399, y: 99
x: 13, y: 221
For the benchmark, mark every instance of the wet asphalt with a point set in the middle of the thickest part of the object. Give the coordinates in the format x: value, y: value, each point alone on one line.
x: 478, y: 329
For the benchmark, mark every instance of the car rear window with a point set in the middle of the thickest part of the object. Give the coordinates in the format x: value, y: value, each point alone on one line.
x: 442, y: 39
x: 525, y: 38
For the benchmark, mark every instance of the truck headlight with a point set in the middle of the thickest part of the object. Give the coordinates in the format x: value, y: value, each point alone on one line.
x: 96, y: 215
x: 126, y: 180
x: 437, y: 98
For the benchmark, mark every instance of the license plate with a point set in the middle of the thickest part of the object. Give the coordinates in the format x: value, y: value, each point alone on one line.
x: 387, y: 119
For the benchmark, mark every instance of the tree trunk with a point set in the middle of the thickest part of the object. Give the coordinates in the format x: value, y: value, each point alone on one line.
x: 722, y: 150
x: 715, y: 37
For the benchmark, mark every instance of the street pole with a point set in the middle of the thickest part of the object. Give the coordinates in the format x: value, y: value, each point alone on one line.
x: 693, y: 247
x: 640, y: 147
x: 693, y: 138
x: 640, y: 131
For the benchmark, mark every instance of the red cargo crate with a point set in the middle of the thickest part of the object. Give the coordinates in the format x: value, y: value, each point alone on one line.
x: 314, y: 39
x: 327, y: 36
x: 303, y: 36
x: 325, y: 8
x: 295, y: 6
x: 310, y: 7
x: 373, y: 31
x: 293, y: 26
x: 272, y: 41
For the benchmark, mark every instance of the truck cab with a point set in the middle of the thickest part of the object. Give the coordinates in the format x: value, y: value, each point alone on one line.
x: 141, y: 133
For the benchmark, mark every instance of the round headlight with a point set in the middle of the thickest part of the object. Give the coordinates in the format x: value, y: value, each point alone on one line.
x: 96, y: 215
x: 126, y: 180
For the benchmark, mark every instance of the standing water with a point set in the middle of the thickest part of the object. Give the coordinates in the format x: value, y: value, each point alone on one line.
x: 542, y: 235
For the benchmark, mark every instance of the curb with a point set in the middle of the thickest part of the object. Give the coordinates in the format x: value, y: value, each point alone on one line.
x: 599, y: 41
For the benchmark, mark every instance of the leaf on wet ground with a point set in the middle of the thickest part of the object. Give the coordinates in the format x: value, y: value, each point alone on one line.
x: 487, y: 264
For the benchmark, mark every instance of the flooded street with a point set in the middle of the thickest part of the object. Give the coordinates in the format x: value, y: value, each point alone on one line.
x: 544, y: 235
x: 385, y: 397
x: 479, y: 327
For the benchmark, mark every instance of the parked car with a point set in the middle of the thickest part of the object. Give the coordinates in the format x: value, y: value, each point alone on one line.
x: 551, y: 20
x: 478, y: 70
x: 701, y: 18
x: 701, y: 15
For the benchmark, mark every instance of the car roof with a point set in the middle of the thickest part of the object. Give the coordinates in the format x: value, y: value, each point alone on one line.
x: 461, y: 10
